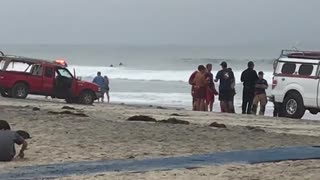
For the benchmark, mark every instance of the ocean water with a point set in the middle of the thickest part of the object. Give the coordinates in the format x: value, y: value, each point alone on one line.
x: 152, y: 75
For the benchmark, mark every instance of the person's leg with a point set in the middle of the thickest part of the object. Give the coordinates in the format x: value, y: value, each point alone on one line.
x: 244, y: 101
x: 102, y: 95
x: 250, y: 101
x: 230, y: 107
x: 263, y: 103
x: 197, y: 107
x: 206, y: 104
x: 107, y: 92
x: 222, y: 106
x: 276, y: 109
x: 255, y: 105
x: 226, y: 106
x: 211, y: 104
x: 202, y: 105
x: 194, y: 104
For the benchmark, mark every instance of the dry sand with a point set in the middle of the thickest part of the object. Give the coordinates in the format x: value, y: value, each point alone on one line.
x: 106, y: 134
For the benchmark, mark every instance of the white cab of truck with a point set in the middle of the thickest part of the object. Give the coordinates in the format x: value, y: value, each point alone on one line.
x: 296, y: 83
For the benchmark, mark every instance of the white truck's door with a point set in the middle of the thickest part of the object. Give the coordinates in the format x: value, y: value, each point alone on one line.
x: 309, y: 80
x: 318, y: 99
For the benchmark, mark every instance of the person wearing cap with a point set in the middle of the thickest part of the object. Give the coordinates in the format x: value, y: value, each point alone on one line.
x: 8, y: 139
x: 260, y: 95
x: 249, y: 78
x: 226, y: 77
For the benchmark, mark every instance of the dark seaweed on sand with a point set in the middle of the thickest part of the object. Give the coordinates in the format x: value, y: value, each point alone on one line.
x: 174, y: 121
x: 68, y: 113
x: 142, y: 118
x: 217, y: 125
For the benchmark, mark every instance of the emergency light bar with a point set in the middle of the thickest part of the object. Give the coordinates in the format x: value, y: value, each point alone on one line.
x: 61, y: 62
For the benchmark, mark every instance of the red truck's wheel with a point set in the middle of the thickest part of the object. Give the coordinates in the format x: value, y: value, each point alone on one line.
x: 20, y: 90
x: 86, y: 97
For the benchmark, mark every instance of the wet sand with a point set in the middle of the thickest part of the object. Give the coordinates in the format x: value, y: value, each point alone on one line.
x: 106, y: 134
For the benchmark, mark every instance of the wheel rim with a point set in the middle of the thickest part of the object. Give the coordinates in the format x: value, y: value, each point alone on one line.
x: 87, y: 98
x: 21, y: 92
x: 291, y: 106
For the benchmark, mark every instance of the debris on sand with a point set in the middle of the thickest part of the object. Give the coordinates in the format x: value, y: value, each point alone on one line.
x: 255, y: 129
x: 175, y: 114
x: 160, y: 107
x: 68, y: 113
x: 174, y: 121
x: 24, y: 134
x: 35, y: 109
x: 68, y: 107
x: 217, y: 125
x: 142, y: 118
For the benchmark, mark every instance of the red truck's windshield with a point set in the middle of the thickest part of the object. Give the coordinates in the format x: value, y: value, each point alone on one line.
x: 64, y: 72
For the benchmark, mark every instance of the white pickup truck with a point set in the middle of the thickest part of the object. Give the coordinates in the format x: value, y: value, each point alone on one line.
x: 296, y: 83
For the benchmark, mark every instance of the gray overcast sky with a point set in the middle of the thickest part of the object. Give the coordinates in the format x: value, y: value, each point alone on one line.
x: 215, y: 22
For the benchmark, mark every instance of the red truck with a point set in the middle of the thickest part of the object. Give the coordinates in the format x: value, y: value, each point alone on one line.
x: 42, y: 77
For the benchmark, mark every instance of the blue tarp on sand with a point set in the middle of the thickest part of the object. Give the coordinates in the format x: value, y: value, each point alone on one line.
x: 168, y: 163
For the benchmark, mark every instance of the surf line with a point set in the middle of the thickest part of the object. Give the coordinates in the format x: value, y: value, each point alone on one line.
x: 167, y: 163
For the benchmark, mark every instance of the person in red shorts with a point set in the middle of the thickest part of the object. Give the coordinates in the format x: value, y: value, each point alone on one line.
x: 211, y: 89
x: 200, y: 85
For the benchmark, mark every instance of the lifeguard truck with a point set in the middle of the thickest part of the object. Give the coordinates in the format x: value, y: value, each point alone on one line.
x: 296, y: 83
x: 43, y: 77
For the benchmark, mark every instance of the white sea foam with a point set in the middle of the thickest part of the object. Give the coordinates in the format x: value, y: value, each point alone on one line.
x: 146, y: 75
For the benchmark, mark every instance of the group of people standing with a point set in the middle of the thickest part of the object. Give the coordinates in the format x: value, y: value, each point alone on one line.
x: 103, y: 83
x: 203, y: 89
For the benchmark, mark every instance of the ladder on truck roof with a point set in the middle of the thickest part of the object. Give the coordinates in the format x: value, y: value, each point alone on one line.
x: 300, y: 54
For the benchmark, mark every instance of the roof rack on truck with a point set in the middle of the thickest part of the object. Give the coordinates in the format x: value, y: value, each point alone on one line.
x: 300, y: 54
x: 14, y: 58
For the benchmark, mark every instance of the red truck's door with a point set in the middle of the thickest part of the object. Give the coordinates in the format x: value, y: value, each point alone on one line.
x: 35, y: 79
x: 48, y: 80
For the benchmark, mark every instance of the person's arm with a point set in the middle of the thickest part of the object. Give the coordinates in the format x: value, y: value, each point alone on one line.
x: 23, y: 148
x: 232, y: 77
x: 255, y: 76
x: 265, y: 84
x: 94, y: 80
x: 191, y: 78
x: 205, y: 81
x: 242, y: 76
x: 107, y: 81
x: 259, y: 86
x: 20, y: 141
x: 218, y: 76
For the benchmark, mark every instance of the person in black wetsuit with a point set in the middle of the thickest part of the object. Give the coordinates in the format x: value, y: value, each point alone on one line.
x: 249, y: 78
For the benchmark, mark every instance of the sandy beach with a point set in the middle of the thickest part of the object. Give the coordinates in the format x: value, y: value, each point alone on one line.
x: 106, y: 135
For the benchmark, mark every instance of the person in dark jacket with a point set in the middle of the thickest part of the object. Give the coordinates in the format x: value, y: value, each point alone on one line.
x: 226, y: 78
x: 249, y: 78
x: 8, y: 139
